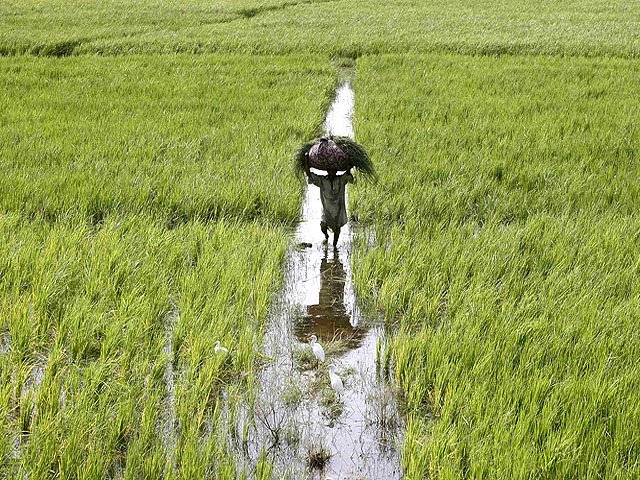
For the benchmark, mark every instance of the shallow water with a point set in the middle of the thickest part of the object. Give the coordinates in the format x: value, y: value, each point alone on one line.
x: 294, y: 413
x: 5, y: 344
x: 339, y: 119
x: 168, y: 415
x: 29, y: 390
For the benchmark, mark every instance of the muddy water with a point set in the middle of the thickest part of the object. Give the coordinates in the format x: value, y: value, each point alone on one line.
x: 304, y: 429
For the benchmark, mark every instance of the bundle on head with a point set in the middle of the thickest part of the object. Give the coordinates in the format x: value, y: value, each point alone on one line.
x: 335, y: 153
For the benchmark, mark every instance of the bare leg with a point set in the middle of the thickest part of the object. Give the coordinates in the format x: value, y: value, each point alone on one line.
x: 336, y: 235
x: 323, y: 227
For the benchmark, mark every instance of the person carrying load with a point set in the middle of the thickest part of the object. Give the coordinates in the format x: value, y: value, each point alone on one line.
x: 333, y: 154
x: 332, y: 195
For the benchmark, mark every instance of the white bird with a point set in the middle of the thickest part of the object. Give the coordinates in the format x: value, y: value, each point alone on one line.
x: 318, y: 351
x: 219, y: 349
x: 336, y: 381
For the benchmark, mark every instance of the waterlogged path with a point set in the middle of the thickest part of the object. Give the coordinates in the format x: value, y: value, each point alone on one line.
x: 304, y: 430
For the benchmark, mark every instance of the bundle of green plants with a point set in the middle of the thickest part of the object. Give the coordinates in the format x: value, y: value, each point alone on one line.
x: 355, y: 154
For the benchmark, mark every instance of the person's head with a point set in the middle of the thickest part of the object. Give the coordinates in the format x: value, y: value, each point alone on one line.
x: 331, y: 173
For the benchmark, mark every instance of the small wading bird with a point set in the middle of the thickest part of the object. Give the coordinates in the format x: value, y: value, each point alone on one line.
x: 219, y: 349
x: 318, y: 351
x: 336, y: 381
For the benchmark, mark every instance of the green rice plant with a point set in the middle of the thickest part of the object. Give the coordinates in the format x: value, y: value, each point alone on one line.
x: 264, y: 467
x: 112, y: 300
x: 293, y: 393
x: 304, y: 359
x: 176, y: 137
x: 60, y: 29
x: 87, y: 401
x: 101, y: 408
x: 338, y: 28
x: 505, y: 245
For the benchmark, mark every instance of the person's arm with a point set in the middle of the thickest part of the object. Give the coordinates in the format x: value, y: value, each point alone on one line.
x: 314, y: 179
x: 307, y: 168
x: 307, y: 171
x: 348, y: 177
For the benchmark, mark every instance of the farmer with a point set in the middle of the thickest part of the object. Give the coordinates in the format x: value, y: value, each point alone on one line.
x: 332, y: 194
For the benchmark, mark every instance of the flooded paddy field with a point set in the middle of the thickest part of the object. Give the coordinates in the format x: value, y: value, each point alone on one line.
x: 120, y: 267
x: 162, y: 270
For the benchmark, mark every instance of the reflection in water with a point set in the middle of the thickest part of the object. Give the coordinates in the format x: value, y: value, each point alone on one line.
x: 289, y: 419
x: 328, y: 319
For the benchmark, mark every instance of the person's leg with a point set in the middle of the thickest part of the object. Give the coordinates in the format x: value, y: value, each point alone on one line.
x: 323, y: 227
x: 336, y: 235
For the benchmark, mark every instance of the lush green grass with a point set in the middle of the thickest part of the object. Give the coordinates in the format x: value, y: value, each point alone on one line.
x: 506, y: 246
x: 129, y: 243
x: 176, y: 137
x: 58, y: 27
x: 338, y: 28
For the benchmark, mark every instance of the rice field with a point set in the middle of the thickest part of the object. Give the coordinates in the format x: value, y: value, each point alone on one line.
x: 94, y: 322
x: 202, y: 137
x: 147, y: 204
x: 506, y: 250
x: 131, y: 242
x: 328, y: 27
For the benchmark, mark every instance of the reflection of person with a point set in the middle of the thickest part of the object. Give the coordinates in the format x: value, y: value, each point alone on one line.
x: 332, y: 279
x: 329, y: 318
x: 332, y: 194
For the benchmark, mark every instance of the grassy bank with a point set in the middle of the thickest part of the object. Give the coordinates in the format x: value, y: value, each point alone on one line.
x: 506, y: 248
x: 336, y: 28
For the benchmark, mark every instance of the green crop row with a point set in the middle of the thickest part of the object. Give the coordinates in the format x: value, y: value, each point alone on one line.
x: 176, y: 137
x: 145, y: 210
x: 93, y: 321
x: 505, y: 244
x: 334, y: 27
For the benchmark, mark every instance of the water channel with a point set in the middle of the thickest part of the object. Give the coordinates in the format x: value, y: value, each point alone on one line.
x: 296, y: 420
